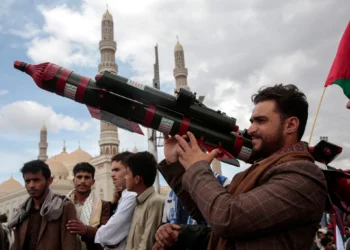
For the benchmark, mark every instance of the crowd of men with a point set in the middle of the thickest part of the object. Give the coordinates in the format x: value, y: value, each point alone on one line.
x: 277, y: 203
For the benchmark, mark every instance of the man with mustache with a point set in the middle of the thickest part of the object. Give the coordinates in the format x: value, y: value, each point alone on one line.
x: 277, y: 203
x: 92, y: 212
x: 39, y: 222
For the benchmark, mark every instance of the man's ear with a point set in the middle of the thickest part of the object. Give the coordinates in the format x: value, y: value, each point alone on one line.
x: 292, y: 125
x: 50, y: 180
x: 137, y: 179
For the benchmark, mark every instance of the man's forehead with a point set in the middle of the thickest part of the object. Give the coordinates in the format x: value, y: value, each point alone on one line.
x: 31, y: 175
x: 83, y: 173
x: 117, y: 165
x: 264, y: 108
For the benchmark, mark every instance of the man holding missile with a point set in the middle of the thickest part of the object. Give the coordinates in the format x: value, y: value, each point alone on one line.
x: 277, y: 203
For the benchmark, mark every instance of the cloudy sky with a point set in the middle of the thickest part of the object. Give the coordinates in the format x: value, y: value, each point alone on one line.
x: 232, y: 48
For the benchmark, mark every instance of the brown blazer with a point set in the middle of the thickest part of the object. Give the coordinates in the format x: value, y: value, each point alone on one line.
x: 89, y: 238
x: 282, y: 212
x: 53, y: 235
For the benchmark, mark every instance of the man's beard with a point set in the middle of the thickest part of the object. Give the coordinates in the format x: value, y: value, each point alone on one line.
x: 267, y: 148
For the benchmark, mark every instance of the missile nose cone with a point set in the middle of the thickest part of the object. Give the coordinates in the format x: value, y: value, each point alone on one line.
x: 20, y: 65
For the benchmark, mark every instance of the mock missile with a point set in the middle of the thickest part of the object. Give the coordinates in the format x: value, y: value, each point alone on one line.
x: 126, y: 103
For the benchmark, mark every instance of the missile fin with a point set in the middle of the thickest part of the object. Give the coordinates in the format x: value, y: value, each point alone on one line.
x: 118, y: 121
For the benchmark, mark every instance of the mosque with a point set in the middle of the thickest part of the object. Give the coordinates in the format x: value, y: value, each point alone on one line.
x: 12, y: 193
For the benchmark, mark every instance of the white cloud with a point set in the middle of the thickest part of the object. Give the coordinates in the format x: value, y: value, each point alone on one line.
x: 29, y: 30
x: 3, y: 91
x: 231, y: 49
x: 28, y: 116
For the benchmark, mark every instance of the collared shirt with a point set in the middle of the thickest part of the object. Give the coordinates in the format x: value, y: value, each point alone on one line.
x: 34, y: 225
x: 147, y: 218
x: 116, y: 230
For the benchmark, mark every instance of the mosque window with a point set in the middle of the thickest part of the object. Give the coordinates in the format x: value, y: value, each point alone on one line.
x: 101, y: 193
x: 107, y: 151
x: 114, y: 151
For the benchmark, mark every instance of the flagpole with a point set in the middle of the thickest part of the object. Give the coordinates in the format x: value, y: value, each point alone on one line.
x: 318, y: 110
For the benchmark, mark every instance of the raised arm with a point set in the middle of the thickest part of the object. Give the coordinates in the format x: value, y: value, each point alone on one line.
x: 294, y: 193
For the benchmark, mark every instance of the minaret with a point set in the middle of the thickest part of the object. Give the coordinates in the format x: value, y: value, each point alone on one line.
x: 180, y: 72
x: 156, y: 79
x: 43, y: 144
x: 109, y: 140
x: 152, y: 134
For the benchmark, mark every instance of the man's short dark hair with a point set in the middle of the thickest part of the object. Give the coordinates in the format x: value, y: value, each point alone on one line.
x: 121, y: 157
x: 3, y: 218
x: 143, y: 164
x: 84, y: 167
x: 325, y: 240
x: 35, y: 167
x: 290, y: 101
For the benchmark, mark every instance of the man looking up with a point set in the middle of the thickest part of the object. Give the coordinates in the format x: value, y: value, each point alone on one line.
x: 92, y: 212
x: 113, y: 234
x: 38, y: 223
x: 140, y: 175
x: 278, y: 202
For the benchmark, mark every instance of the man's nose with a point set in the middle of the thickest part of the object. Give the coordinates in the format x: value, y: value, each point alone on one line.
x: 31, y: 184
x: 252, y: 129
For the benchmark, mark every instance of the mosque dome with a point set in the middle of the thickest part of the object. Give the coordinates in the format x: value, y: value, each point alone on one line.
x: 107, y: 16
x: 78, y: 156
x: 10, y: 185
x: 61, y: 157
x: 178, y: 47
x: 135, y: 150
x: 58, y: 169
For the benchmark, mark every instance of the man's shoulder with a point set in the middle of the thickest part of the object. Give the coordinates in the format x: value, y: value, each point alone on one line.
x: 127, y: 197
x: 156, y: 198
x: 129, y: 194
x: 298, y: 166
x: 302, y: 168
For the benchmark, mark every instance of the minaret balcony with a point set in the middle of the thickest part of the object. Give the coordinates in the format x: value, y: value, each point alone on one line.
x: 180, y: 72
x: 105, y: 44
x: 108, y: 66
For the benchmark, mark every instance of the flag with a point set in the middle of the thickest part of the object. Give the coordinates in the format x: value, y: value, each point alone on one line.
x: 340, y: 70
x: 339, y: 231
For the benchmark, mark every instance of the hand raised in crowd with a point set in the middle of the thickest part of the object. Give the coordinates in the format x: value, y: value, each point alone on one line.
x: 171, y: 149
x: 166, y: 235
x: 76, y: 227
x: 116, y: 195
x: 190, y: 153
